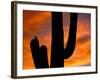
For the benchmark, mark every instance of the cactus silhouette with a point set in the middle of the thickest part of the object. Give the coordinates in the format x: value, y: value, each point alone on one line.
x: 58, y: 53
x: 39, y: 54
x: 57, y: 46
x: 68, y: 51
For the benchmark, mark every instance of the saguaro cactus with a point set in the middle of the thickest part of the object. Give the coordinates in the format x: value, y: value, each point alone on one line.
x: 39, y: 54
x: 58, y: 53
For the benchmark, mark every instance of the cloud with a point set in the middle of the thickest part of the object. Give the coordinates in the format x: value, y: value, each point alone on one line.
x: 38, y: 23
x: 83, y: 39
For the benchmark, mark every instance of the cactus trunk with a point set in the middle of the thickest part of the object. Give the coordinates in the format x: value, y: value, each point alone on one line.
x: 57, y: 46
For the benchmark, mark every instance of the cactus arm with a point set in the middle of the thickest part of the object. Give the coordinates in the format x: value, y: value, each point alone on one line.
x: 39, y: 55
x: 72, y: 36
x: 34, y: 44
x: 43, y: 57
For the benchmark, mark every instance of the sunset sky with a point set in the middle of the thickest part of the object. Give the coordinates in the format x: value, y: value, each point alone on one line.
x: 38, y: 23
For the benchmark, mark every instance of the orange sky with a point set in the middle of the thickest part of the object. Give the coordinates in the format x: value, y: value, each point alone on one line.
x: 38, y: 23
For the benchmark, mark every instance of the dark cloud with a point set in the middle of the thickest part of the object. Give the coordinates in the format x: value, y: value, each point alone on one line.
x: 83, y: 39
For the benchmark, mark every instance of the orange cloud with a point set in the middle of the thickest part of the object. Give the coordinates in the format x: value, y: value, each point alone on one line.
x: 38, y: 23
